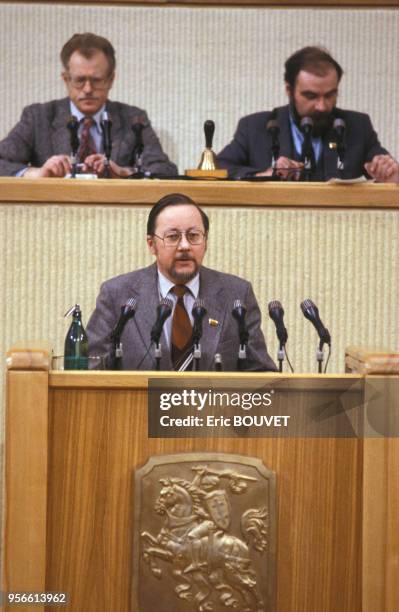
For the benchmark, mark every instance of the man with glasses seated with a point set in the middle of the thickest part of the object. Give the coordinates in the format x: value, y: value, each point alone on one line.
x: 177, y: 234
x: 40, y: 144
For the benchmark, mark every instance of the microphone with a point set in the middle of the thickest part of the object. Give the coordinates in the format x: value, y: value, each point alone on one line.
x: 73, y: 126
x: 339, y: 128
x: 276, y: 313
x: 128, y: 311
x: 164, y: 310
x: 106, y: 126
x: 239, y: 313
x: 273, y: 129
x: 311, y: 312
x: 307, y: 126
x: 198, y: 312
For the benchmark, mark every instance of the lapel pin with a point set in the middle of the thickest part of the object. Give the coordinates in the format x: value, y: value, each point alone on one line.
x: 213, y: 322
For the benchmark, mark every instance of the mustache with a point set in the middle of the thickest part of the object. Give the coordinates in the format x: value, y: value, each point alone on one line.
x: 184, y: 257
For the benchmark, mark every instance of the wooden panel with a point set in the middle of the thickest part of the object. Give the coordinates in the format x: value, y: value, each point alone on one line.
x: 239, y: 3
x: 99, y: 438
x: 214, y: 193
x: 26, y: 482
x: 381, y: 503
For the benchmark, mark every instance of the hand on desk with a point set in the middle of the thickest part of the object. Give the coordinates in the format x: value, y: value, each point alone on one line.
x: 287, y: 169
x: 96, y: 164
x: 383, y: 168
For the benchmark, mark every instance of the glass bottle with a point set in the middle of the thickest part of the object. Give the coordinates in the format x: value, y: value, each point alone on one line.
x: 76, y: 351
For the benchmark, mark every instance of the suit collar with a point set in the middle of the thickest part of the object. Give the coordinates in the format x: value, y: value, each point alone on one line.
x: 60, y: 136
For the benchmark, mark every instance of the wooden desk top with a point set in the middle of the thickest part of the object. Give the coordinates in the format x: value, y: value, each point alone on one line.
x: 206, y: 193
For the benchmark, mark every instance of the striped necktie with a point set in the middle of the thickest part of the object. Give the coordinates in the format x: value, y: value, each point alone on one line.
x: 87, y: 146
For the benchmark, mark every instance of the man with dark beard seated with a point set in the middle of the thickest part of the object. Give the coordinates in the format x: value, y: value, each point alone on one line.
x: 312, y: 78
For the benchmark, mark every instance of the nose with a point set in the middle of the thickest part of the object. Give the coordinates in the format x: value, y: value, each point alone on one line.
x: 184, y: 243
x: 88, y: 87
x: 321, y: 105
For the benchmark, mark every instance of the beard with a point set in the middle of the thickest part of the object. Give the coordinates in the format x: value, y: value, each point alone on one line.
x: 181, y: 277
x: 322, y: 122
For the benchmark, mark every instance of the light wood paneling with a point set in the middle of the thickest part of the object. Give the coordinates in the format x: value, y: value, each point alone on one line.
x: 214, y: 193
x: 98, y: 439
x: 26, y: 482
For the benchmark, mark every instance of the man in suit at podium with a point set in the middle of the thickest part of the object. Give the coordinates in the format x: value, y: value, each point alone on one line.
x: 177, y: 233
x: 40, y: 144
x: 309, y: 137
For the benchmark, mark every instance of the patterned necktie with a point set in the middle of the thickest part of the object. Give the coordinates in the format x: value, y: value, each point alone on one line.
x: 182, y: 330
x: 86, y: 146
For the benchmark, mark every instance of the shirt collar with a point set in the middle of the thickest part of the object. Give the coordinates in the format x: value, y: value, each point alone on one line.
x: 79, y: 115
x: 165, y: 285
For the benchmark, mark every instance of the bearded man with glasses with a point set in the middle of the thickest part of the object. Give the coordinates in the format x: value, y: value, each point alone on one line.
x: 40, y: 146
x: 177, y: 235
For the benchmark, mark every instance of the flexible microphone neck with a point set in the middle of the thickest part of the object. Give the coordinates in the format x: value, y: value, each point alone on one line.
x: 276, y: 313
x: 311, y: 312
x: 128, y: 311
x: 198, y: 312
x: 239, y: 313
x: 164, y: 310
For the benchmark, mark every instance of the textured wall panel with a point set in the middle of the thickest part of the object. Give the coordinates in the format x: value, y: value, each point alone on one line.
x: 346, y: 261
x: 184, y: 65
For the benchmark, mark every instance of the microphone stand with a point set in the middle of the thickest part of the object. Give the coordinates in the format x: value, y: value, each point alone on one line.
x: 198, y: 312
x: 73, y: 126
x: 242, y: 357
x: 281, y: 356
x: 157, y: 355
x: 106, y: 125
x: 138, y: 150
x: 320, y: 357
x: 307, y: 158
x: 117, y: 354
x: 218, y: 362
x: 196, y: 356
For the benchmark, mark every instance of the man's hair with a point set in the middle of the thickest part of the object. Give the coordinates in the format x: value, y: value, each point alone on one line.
x: 172, y: 199
x: 312, y: 59
x: 87, y: 44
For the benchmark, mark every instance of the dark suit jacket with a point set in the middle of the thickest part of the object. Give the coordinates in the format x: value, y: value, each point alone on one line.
x: 219, y: 292
x: 250, y: 150
x: 41, y: 132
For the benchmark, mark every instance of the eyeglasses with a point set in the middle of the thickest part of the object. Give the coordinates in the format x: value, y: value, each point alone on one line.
x: 95, y: 82
x: 173, y: 238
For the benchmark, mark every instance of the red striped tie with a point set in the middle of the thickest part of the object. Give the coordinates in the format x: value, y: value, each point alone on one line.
x: 87, y: 146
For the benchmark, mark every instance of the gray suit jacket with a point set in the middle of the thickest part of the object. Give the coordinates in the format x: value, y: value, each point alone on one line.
x: 250, y: 150
x: 42, y: 132
x: 217, y: 289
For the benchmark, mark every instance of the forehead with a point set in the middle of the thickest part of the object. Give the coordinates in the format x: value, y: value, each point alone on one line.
x: 78, y: 63
x: 180, y: 216
x: 317, y: 83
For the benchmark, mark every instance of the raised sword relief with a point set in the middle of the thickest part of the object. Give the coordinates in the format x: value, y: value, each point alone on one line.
x: 211, y: 540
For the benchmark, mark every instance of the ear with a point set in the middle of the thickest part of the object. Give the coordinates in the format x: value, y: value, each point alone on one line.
x: 64, y: 77
x: 111, y: 80
x: 151, y: 245
x: 288, y: 89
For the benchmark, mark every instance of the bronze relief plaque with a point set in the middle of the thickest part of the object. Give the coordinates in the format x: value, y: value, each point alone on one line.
x: 204, y: 535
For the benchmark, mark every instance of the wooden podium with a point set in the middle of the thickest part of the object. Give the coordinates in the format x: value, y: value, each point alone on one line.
x: 74, y: 439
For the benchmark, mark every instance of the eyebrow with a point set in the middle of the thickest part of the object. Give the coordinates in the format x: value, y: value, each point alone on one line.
x: 314, y: 93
